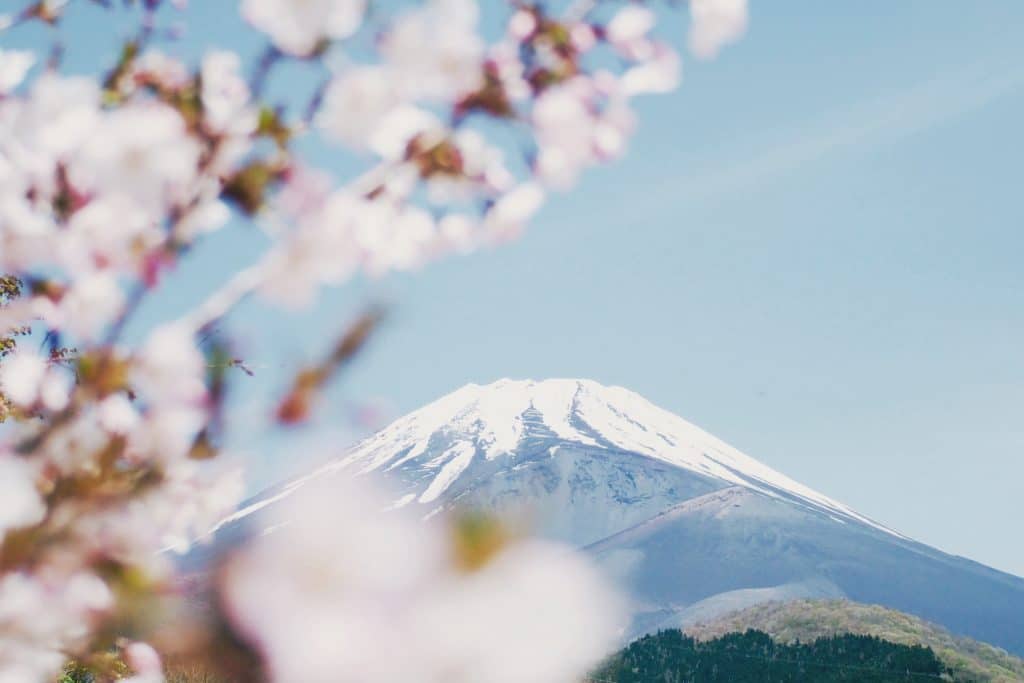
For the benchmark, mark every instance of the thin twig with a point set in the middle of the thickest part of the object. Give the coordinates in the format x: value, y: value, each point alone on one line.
x: 268, y: 59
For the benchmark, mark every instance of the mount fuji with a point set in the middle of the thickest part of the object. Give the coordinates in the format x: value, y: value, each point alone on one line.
x: 690, y: 527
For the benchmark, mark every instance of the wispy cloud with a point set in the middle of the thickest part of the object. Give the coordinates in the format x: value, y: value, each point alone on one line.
x: 889, y: 118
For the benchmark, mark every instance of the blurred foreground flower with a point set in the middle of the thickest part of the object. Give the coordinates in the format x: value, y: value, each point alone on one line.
x: 339, y: 589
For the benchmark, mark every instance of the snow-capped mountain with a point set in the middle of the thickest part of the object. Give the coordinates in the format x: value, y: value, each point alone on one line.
x: 689, y: 525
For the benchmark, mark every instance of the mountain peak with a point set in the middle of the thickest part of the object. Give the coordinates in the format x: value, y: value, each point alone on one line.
x: 493, y: 421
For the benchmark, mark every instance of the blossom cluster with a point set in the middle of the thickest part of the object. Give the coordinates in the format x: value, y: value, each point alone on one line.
x: 108, y: 182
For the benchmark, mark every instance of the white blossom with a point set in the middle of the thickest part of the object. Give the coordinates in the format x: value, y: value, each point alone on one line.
x: 72, y: 449
x: 582, y: 36
x: 142, y: 151
x: 55, y: 390
x: 21, y: 375
x: 521, y: 25
x: 320, y: 250
x: 44, y: 616
x: 117, y: 415
x: 403, y: 242
x: 630, y: 25
x: 170, y: 517
x: 27, y: 378
x: 339, y: 576
x: 145, y: 662
x: 346, y: 234
x: 715, y: 24
x: 296, y: 26
x: 14, y: 65
x: 562, y: 120
x: 504, y: 58
x: 390, y: 137
x: 207, y: 216
x: 435, y: 50
x: 509, y: 214
x: 354, y: 103
x: 169, y: 369
x: 20, y: 502
x: 225, y: 94
x: 161, y: 67
x: 657, y: 75
x: 579, y: 123
x: 194, y: 501
x: 91, y: 304
x: 168, y: 374
x: 26, y: 234
x: 111, y: 230
x: 537, y: 612
x: 337, y: 573
x: 57, y: 117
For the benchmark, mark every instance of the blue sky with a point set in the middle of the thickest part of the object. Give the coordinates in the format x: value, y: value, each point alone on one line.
x: 813, y: 250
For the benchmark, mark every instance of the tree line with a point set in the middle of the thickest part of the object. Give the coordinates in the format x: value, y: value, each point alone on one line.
x: 673, y: 657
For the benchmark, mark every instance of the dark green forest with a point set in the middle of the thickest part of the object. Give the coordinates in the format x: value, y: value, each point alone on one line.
x: 673, y: 657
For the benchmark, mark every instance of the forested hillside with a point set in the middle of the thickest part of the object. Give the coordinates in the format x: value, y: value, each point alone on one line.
x: 753, y: 656
x: 807, y: 620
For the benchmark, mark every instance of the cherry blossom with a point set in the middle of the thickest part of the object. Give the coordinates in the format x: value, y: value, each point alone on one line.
x: 659, y: 74
x: 90, y: 305
x: 14, y: 65
x: 579, y: 123
x: 435, y: 51
x: 43, y: 616
x: 27, y: 379
x: 145, y: 662
x: 111, y: 230
x: 21, y: 377
x: 56, y: 119
x: 354, y: 103
x: 20, y: 503
x: 339, y: 575
x: 225, y: 95
x: 297, y: 27
x: 390, y: 138
x: 158, y: 67
x: 510, y: 214
x: 169, y: 369
x: 716, y: 23
x: 142, y: 151
x: 628, y: 29
x: 117, y: 415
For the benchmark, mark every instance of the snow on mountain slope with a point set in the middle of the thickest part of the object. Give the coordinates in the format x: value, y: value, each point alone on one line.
x: 494, y: 421
x: 687, y: 525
